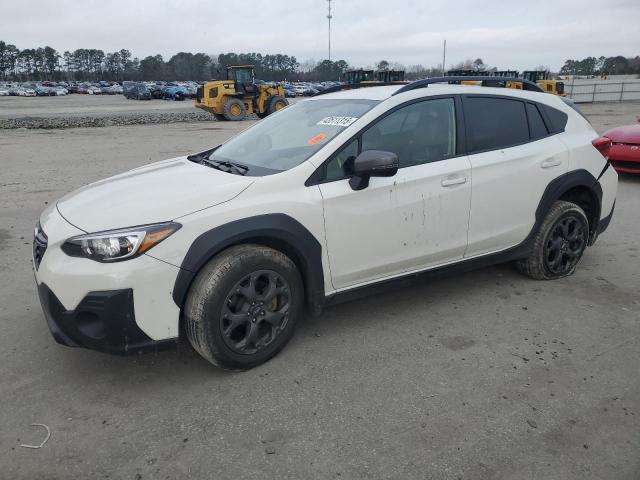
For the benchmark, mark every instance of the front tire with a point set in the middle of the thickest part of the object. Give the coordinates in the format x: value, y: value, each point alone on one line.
x: 243, y: 306
x: 234, y: 110
x: 559, y: 243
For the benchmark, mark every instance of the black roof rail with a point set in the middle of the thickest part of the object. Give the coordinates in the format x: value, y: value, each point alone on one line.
x: 346, y: 86
x: 487, y: 81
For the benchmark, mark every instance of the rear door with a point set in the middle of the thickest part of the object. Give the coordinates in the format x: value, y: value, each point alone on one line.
x: 513, y: 159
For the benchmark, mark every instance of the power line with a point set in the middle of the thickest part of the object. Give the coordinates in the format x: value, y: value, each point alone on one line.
x: 444, y: 55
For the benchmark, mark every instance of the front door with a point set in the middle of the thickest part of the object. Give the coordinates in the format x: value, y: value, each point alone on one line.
x: 415, y: 219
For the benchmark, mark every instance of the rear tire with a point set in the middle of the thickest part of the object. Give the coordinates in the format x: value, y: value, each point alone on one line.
x: 559, y: 243
x: 234, y: 110
x: 276, y: 103
x: 243, y: 306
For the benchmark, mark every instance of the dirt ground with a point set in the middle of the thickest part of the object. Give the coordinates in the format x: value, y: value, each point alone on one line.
x: 480, y: 375
x: 81, y: 105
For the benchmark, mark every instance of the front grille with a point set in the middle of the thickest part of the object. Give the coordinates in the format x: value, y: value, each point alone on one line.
x: 40, y: 241
x: 200, y: 93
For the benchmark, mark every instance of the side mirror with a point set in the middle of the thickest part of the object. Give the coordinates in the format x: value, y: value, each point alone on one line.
x: 372, y: 163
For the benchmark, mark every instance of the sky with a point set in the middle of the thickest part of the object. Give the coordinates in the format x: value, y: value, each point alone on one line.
x: 510, y: 35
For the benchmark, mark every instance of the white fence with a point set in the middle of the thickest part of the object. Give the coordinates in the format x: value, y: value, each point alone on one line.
x: 603, y: 91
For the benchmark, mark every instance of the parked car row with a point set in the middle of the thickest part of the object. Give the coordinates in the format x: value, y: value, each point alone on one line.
x: 142, y: 90
x: 47, y: 89
x: 306, y: 89
x: 100, y: 88
x: 16, y: 90
x: 160, y: 90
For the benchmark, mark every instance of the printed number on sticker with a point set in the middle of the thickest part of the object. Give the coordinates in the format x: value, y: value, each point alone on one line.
x: 337, y: 121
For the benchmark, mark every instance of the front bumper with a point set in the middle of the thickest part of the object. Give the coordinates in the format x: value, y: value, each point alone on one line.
x: 115, y: 307
x: 103, y: 321
x: 625, y: 157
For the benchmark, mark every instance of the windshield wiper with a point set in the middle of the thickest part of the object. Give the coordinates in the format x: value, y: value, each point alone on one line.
x: 226, y: 166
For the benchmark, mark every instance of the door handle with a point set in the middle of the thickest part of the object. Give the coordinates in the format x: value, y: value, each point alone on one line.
x: 550, y: 162
x: 449, y: 182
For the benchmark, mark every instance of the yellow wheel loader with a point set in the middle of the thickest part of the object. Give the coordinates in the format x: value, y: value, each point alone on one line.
x: 554, y: 87
x: 240, y: 95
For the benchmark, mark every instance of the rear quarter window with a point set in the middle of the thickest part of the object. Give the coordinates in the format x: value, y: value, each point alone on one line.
x: 536, y: 124
x: 556, y: 120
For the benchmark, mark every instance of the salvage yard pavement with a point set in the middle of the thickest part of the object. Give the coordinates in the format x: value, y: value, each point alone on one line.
x: 478, y: 375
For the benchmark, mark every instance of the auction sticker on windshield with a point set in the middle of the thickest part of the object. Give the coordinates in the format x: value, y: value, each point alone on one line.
x: 317, y: 139
x: 337, y: 121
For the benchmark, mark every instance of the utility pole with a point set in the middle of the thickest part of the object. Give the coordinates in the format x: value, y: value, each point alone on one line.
x: 444, y: 55
x: 329, y: 17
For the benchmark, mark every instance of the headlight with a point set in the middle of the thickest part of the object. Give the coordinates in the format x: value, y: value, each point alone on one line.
x: 122, y: 244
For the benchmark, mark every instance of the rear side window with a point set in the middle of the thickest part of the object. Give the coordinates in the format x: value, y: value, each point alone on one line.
x: 536, y: 125
x: 494, y: 123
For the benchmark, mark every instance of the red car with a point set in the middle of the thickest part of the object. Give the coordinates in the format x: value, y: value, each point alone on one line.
x: 624, y: 154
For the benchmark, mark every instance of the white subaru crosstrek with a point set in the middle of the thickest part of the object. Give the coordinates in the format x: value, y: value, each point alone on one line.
x: 340, y: 192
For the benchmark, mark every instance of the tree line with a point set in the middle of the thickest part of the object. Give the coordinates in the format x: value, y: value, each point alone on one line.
x: 46, y: 63
x: 617, y: 65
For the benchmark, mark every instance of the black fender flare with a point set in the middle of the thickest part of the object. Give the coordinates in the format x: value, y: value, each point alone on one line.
x: 561, y: 185
x: 275, y: 230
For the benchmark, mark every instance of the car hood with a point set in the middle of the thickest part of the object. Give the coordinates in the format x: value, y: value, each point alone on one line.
x: 154, y: 193
x: 624, y: 134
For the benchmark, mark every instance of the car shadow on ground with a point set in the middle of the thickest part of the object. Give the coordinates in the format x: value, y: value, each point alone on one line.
x: 628, y: 177
x: 399, y: 301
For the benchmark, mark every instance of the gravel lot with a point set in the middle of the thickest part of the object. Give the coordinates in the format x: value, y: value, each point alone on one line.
x: 77, y: 111
x: 85, y: 105
x: 477, y: 376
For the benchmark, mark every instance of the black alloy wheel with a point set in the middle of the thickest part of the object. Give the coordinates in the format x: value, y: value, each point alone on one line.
x: 565, y: 245
x: 255, y: 312
x: 558, y: 244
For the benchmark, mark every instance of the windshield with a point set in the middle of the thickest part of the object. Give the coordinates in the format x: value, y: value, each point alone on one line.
x: 288, y: 138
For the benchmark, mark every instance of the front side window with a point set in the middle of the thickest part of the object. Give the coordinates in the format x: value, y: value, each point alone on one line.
x: 289, y: 137
x: 494, y: 123
x: 341, y: 165
x: 419, y: 133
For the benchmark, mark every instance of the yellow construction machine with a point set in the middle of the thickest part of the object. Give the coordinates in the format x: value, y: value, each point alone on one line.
x: 356, y: 77
x: 369, y: 78
x: 240, y: 95
x: 466, y: 73
x: 390, y: 76
x: 541, y: 77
